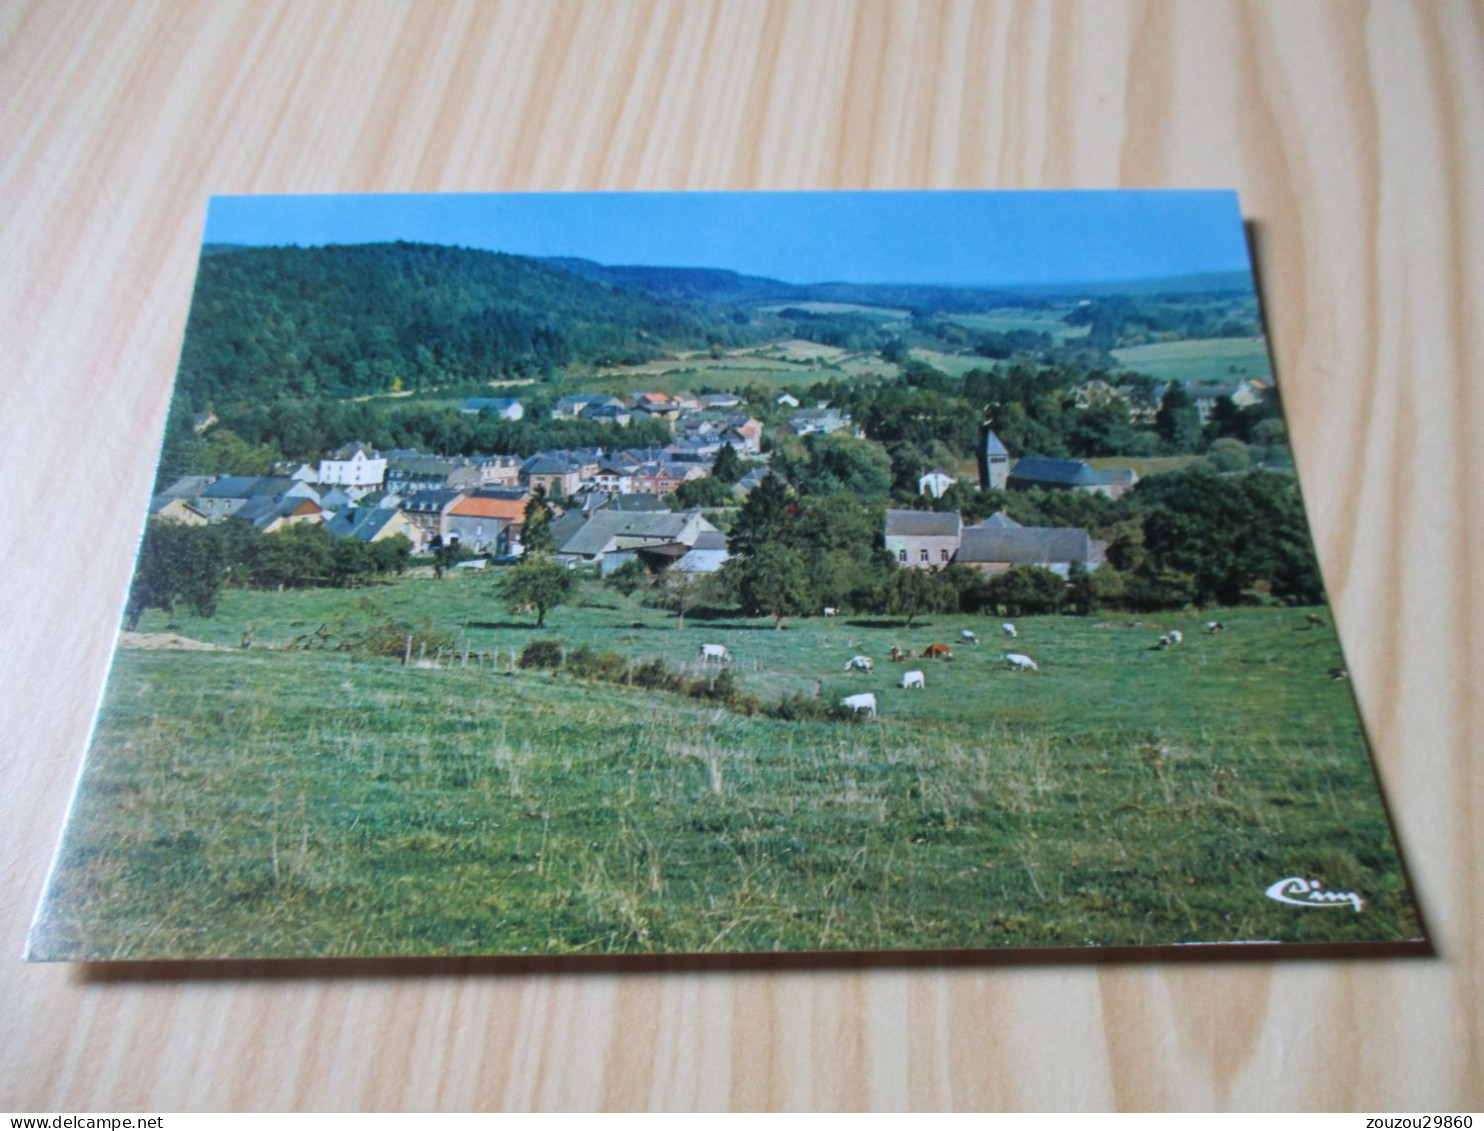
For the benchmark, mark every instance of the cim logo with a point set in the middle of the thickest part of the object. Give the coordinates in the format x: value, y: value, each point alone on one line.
x: 1299, y: 892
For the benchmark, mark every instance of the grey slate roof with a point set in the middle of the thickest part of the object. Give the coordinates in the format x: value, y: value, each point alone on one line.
x: 1000, y: 521
x: 1055, y: 472
x: 189, y: 486
x: 1029, y: 545
x: 607, y: 529
x: 364, y: 523
x: 920, y: 524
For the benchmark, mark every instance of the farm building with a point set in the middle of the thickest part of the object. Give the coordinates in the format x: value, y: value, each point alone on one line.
x: 994, y: 548
x: 923, y: 539
x: 608, y: 538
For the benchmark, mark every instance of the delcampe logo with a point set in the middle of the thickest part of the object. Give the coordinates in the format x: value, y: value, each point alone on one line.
x: 1299, y: 892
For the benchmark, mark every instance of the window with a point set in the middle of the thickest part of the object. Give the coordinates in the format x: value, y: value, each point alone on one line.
x: 902, y: 557
x: 922, y: 555
x: 943, y: 555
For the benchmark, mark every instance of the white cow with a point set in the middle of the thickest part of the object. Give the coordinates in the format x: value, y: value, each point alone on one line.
x: 715, y: 652
x: 1020, y: 662
x: 866, y: 702
x: 969, y: 636
x: 860, y: 663
x: 1009, y: 630
x: 914, y: 679
x: 1176, y: 636
x: 830, y: 610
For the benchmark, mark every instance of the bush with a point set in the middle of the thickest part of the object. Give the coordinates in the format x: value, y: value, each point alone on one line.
x: 589, y: 663
x: 801, y: 708
x: 627, y: 577
x: 654, y: 676
x: 541, y: 654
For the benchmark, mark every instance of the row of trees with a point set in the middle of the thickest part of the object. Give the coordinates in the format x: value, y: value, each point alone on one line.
x: 188, y: 566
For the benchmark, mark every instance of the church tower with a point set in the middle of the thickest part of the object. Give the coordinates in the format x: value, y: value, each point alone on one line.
x: 994, y: 464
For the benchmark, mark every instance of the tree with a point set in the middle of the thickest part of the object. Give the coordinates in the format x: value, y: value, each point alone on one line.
x: 176, y: 563
x: 448, y: 554
x: 916, y: 591
x: 769, y: 581
x: 536, y: 582
x: 727, y: 466
x: 708, y: 491
x: 764, y: 518
x: 536, y: 537
x: 1178, y: 421
x: 1023, y: 590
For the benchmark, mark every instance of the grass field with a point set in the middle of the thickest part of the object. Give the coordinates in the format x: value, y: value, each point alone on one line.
x: 1200, y: 360
x: 1015, y: 318
x: 278, y: 802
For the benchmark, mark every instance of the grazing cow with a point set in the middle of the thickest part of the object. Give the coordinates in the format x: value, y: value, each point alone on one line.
x: 937, y: 652
x: 1314, y: 621
x: 1214, y: 626
x: 897, y: 655
x: 1176, y: 636
x: 715, y: 652
x: 859, y: 664
x: 1339, y: 673
x: 1020, y: 663
x: 913, y: 679
x: 830, y: 610
x: 866, y: 702
x: 1161, y: 644
x: 1009, y: 630
x: 969, y: 636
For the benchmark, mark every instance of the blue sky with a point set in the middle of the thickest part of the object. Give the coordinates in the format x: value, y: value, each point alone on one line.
x: 969, y: 238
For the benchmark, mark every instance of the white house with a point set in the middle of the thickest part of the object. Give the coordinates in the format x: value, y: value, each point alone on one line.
x: 354, y: 465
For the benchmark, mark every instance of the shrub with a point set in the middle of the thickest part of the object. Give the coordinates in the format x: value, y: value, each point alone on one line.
x: 654, y: 676
x: 801, y: 708
x: 541, y: 654
x: 590, y: 663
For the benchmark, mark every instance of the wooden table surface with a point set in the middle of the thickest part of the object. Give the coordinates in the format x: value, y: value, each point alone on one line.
x: 1354, y: 132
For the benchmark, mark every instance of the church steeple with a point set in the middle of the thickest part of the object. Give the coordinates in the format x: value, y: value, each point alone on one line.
x: 994, y: 463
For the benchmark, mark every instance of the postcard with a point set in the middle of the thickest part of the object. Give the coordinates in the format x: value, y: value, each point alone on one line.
x: 584, y: 574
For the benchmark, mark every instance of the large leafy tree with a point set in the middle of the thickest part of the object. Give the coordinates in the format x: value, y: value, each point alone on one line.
x: 769, y: 581
x: 177, y: 563
x: 537, y: 582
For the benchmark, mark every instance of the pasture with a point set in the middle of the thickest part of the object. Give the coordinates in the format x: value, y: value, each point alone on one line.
x: 1200, y: 360
x: 278, y: 802
x: 1049, y: 321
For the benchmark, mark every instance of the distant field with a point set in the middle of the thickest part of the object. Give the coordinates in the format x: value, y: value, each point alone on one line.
x: 885, y: 313
x: 954, y: 364
x: 275, y: 803
x: 1200, y: 360
x: 1014, y: 318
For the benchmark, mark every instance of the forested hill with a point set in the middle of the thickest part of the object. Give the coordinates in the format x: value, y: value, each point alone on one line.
x: 706, y: 284
x: 288, y: 322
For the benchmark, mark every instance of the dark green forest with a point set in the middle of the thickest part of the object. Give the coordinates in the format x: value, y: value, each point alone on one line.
x: 268, y: 324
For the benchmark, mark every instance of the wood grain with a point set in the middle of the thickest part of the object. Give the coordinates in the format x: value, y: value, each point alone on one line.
x: 1354, y: 132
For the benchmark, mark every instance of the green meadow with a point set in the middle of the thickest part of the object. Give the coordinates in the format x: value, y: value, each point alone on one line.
x: 277, y: 801
x: 1200, y: 360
